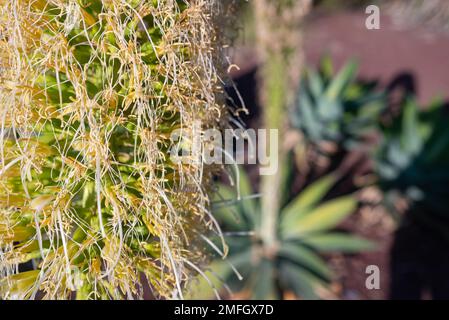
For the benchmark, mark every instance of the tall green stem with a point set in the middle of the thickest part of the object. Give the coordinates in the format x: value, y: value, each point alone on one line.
x: 276, y: 88
x: 279, y: 43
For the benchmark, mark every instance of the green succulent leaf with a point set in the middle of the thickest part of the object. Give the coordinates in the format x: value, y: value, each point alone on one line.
x: 411, y: 142
x: 304, y: 257
x: 20, y: 282
x: 308, y: 198
x: 327, y: 66
x: 301, y: 281
x: 263, y: 281
x: 324, y: 217
x: 340, y: 242
x: 315, y: 83
x: 287, y: 177
x: 18, y: 233
x: 341, y: 81
x: 311, y: 124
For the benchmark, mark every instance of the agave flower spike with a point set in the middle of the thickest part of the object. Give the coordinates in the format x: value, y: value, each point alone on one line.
x: 89, y: 94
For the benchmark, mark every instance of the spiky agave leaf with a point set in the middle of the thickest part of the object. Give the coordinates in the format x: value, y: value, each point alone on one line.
x: 89, y: 93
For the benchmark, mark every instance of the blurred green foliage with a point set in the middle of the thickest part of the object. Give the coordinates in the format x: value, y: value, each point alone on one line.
x: 413, y: 160
x: 305, y: 231
x: 335, y: 108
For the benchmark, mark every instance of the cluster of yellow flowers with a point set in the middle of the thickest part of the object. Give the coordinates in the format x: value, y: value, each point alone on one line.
x: 89, y: 93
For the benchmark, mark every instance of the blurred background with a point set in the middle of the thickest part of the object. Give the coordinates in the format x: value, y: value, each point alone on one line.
x: 360, y: 207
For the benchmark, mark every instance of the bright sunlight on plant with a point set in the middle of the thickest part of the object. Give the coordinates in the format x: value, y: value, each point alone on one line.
x: 90, y: 91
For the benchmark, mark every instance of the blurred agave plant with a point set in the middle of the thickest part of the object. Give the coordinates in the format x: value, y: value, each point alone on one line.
x: 413, y: 161
x: 89, y: 93
x: 304, y: 231
x: 333, y: 111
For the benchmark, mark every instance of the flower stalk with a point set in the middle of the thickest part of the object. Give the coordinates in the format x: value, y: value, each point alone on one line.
x: 278, y: 25
x: 89, y: 93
